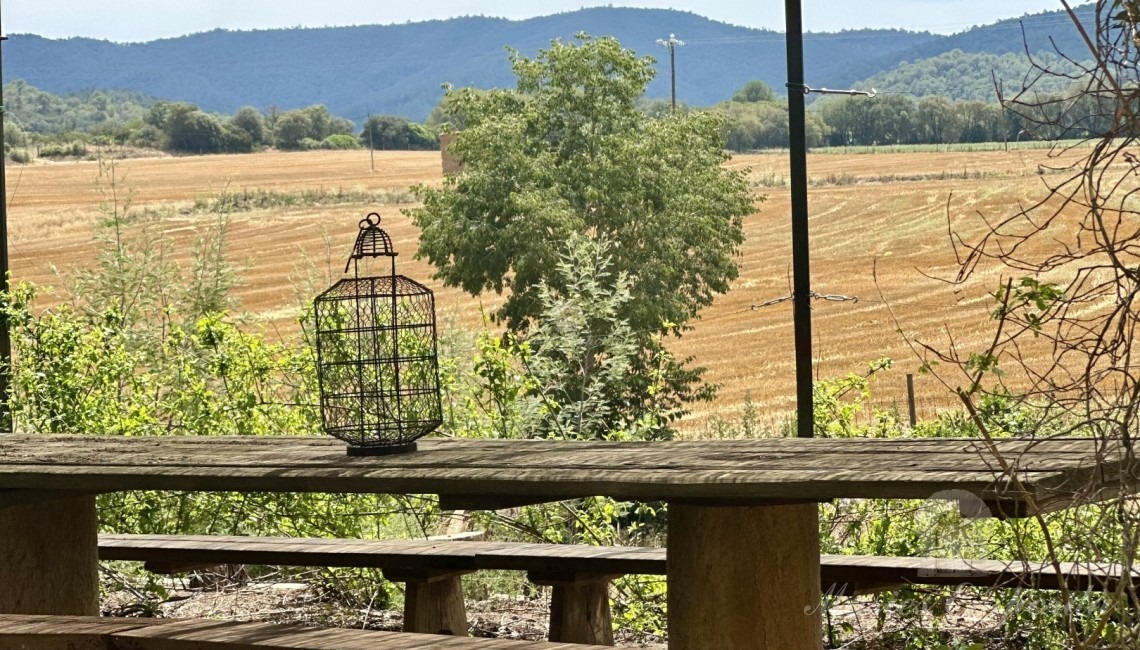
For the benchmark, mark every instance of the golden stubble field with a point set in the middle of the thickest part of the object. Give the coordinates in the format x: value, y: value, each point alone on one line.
x: 867, y: 210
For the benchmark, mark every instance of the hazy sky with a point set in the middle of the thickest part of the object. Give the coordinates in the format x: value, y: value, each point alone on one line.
x: 144, y: 20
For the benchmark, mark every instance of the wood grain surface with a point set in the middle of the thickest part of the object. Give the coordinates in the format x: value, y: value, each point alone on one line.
x: 838, y: 572
x: 1050, y: 472
x: 171, y: 634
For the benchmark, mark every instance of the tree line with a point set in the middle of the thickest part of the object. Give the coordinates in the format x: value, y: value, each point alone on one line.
x: 755, y: 118
x: 58, y: 125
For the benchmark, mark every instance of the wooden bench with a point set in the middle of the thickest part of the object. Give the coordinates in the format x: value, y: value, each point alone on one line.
x: 580, y: 575
x: 30, y: 632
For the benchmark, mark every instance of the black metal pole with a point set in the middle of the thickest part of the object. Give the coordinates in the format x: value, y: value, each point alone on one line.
x: 672, y: 74
x: 801, y: 270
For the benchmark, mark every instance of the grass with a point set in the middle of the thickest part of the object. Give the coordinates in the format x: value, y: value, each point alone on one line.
x: 246, y: 200
x: 964, y: 147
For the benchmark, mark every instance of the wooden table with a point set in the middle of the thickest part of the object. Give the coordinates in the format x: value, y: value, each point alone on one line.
x: 743, y: 547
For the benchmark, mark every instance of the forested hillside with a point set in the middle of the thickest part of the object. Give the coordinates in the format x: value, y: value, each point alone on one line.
x: 34, y: 110
x: 966, y: 76
x: 398, y: 69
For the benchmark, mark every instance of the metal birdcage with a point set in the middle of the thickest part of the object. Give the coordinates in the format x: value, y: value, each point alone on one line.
x: 376, y: 354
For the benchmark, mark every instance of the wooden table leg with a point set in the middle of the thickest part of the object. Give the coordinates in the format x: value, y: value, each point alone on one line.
x: 579, y: 606
x: 433, y: 601
x: 745, y: 578
x: 49, y: 558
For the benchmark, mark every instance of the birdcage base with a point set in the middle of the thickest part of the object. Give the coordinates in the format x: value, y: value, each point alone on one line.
x: 381, y: 450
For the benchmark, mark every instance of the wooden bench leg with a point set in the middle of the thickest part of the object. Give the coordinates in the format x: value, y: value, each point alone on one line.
x: 745, y: 578
x: 579, y: 607
x: 433, y: 601
x: 49, y: 558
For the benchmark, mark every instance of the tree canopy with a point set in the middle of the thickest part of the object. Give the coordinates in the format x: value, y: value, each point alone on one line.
x: 755, y: 91
x: 567, y: 151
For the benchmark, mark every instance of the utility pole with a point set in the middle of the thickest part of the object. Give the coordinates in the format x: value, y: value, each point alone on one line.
x: 672, y: 43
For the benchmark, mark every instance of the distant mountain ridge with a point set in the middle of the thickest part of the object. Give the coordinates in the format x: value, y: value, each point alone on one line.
x: 398, y: 69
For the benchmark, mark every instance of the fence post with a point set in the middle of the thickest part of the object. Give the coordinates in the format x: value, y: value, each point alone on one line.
x: 910, y: 399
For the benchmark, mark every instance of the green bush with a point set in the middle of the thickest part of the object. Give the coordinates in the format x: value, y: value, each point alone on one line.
x: 77, y: 149
x: 340, y: 141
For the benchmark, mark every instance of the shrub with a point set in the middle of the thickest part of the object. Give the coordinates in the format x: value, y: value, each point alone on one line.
x: 340, y: 141
x: 76, y: 149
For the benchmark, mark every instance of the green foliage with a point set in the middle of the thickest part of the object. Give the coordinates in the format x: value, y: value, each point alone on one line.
x: 75, y: 149
x: 837, y: 405
x: 935, y: 527
x: 187, y: 129
x: 291, y: 129
x: 144, y: 346
x: 235, y: 139
x: 588, y: 374
x: 958, y: 75
x: 755, y: 91
x: 306, y: 128
x: 244, y: 200
x: 396, y: 133
x: 40, y: 112
x: 764, y: 125
x: 567, y: 151
x: 251, y: 121
x: 340, y: 141
x: 899, y: 120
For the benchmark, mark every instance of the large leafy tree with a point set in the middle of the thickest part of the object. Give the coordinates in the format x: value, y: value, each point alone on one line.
x: 567, y: 151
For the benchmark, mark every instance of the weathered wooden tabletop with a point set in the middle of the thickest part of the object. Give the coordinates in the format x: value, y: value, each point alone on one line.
x: 1049, y: 471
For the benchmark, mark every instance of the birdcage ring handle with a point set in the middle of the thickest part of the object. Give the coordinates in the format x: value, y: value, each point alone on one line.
x: 367, y: 222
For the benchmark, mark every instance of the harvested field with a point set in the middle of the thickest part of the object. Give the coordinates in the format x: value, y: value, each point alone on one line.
x: 868, y: 210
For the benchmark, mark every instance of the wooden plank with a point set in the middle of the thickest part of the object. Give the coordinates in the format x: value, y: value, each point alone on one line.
x: 207, y: 549
x: 837, y: 569
x: 276, y: 451
x: 571, y: 559
x: 763, y: 453
x: 42, y: 632
x: 219, y: 635
x: 737, y: 472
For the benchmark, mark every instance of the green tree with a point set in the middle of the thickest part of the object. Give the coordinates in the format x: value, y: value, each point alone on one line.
x: 235, y: 139
x: 251, y: 121
x: 391, y: 132
x: 763, y: 125
x: 291, y: 128
x: 567, y: 152
x: 755, y: 91
x: 319, y: 121
x: 193, y: 131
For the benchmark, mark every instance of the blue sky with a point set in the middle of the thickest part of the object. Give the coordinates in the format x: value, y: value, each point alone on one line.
x: 143, y: 20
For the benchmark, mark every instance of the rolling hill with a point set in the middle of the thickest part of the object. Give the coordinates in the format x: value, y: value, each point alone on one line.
x: 398, y: 69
